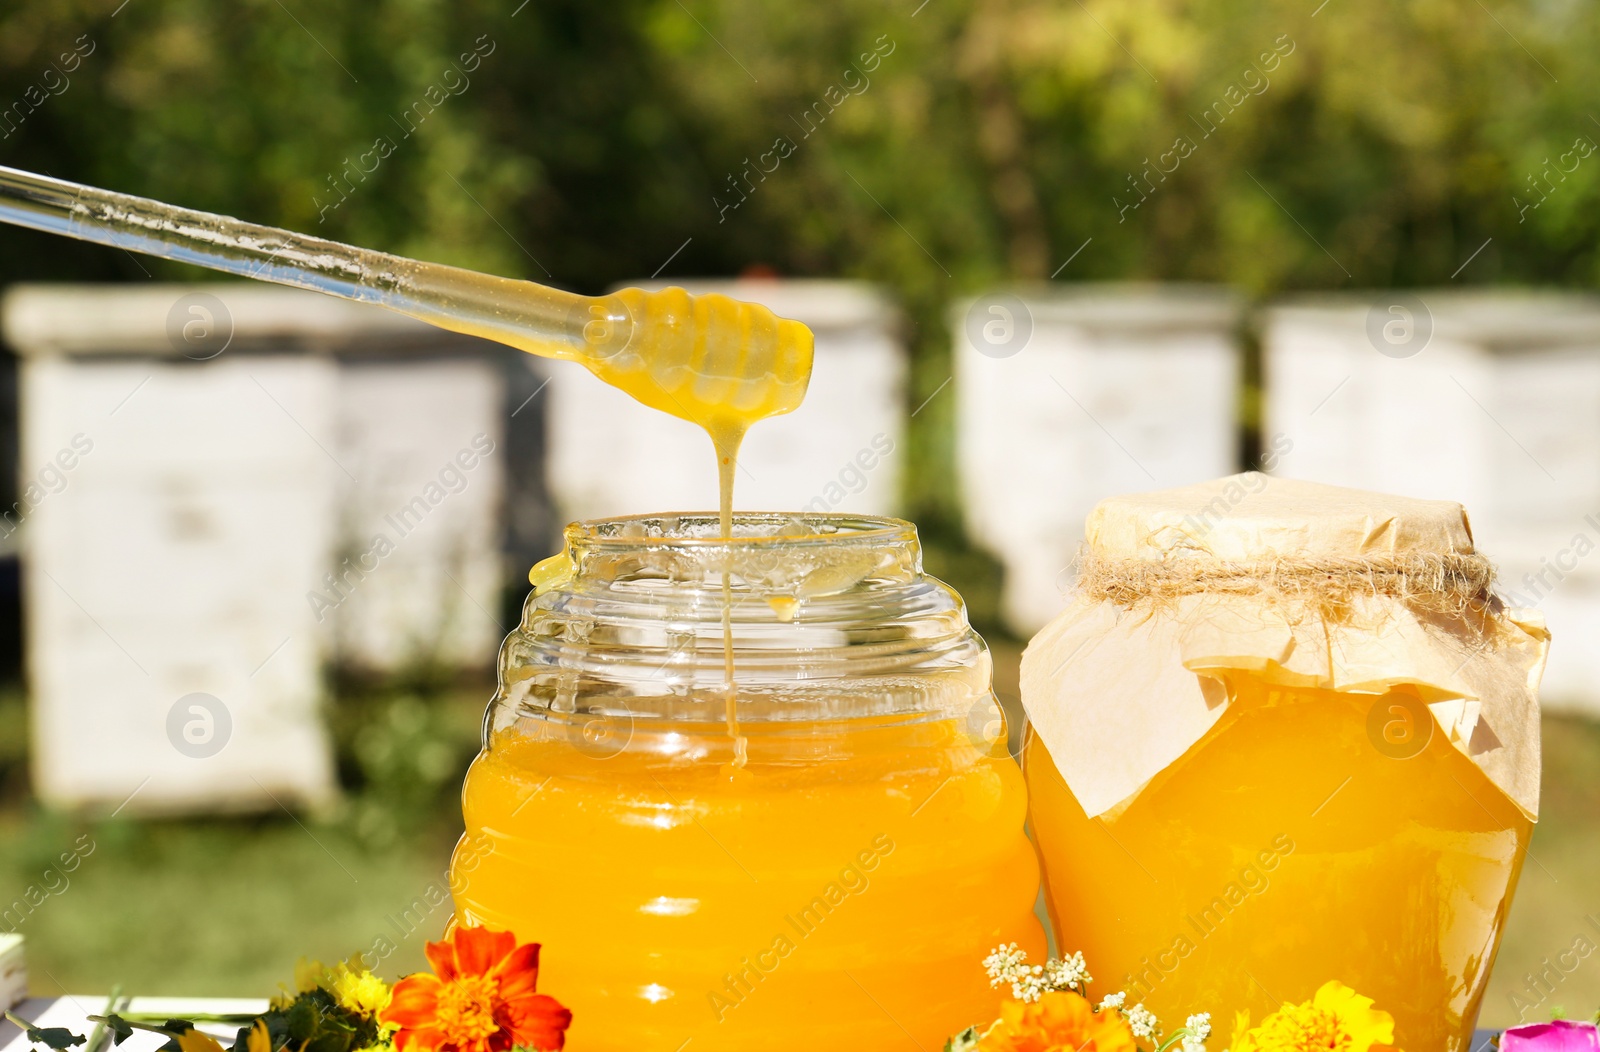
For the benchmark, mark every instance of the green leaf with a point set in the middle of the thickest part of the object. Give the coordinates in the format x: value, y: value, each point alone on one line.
x: 301, y: 1019
x: 57, y: 1037
x: 120, y: 1030
x: 965, y: 1041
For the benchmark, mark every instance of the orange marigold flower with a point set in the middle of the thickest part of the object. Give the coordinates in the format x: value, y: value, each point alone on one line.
x: 1060, y: 1021
x: 480, y: 998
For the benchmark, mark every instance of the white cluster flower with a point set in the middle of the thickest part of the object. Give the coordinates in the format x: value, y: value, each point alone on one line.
x: 1008, y: 964
x: 1029, y: 985
x: 1199, y: 1029
x: 1069, y: 973
x: 1003, y: 962
x: 1142, y: 1022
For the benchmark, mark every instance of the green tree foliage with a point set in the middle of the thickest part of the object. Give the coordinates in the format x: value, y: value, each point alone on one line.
x: 554, y: 148
x: 934, y: 148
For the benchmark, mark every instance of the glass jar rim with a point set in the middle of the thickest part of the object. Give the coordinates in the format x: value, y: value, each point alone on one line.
x: 668, y: 530
x: 829, y: 616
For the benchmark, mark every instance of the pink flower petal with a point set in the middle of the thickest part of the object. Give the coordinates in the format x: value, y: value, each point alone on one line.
x: 1559, y: 1036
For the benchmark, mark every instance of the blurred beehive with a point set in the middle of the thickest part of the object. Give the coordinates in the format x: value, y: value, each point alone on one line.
x: 1487, y: 398
x: 223, y: 487
x: 1069, y: 394
x: 841, y: 451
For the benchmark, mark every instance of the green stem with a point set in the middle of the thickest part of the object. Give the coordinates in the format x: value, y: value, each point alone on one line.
x: 137, y: 1026
x: 99, y: 1033
x: 1174, y: 1038
x: 135, y: 1018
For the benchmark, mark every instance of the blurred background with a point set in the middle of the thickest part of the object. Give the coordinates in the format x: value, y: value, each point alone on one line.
x: 1052, y: 251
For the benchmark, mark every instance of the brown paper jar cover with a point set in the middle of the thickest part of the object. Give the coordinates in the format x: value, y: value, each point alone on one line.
x: 1301, y: 584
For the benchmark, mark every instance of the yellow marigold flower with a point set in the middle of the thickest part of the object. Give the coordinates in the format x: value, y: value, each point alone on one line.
x: 359, y: 991
x: 1337, y: 1019
x: 198, y: 1041
x: 1060, y: 1019
x: 260, y: 1040
x: 309, y: 975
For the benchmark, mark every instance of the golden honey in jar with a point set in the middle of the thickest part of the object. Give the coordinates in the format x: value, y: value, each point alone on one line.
x: 1285, y: 734
x: 822, y: 862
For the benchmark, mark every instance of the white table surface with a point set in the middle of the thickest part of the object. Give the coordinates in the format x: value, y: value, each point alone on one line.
x: 73, y: 1010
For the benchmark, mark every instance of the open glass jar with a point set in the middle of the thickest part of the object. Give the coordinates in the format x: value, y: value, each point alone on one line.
x: 819, y: 858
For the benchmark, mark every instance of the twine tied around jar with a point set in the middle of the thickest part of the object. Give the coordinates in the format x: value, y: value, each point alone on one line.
x: 1446, y: 583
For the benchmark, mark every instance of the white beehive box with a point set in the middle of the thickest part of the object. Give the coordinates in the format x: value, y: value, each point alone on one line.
x: 13, y: 972
x: 424, y: 442
x: 1489, y: 399
x: 841, y: 451
x: 192, y: 499
x: 1070, y: 394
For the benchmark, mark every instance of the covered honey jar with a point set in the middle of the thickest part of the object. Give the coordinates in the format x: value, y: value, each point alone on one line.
x: 1285, y: 734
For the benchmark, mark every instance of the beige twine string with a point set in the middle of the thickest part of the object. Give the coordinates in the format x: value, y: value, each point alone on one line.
x: 1442, y: 583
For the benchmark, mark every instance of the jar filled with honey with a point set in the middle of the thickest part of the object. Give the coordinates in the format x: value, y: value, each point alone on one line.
x: 749, y: 792
x: 1285, y: 734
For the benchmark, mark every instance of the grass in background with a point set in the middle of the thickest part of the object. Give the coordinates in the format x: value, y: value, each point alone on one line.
x: 226, y: 906
x: 1558, y: 899
x: 213, y: 907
